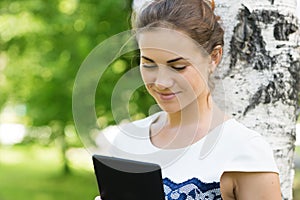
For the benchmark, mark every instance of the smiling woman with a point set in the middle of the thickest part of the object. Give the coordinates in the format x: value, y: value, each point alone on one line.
x: 204, y: 152
x: 174, y: 75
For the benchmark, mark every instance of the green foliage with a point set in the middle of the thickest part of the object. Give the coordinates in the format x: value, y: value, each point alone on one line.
x: 33, y: 173
x: 42, y: 45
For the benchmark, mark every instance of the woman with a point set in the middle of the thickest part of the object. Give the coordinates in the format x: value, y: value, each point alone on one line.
x: 181, y: 44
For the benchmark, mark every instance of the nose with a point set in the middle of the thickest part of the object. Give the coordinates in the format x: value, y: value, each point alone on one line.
x: 163, y: 79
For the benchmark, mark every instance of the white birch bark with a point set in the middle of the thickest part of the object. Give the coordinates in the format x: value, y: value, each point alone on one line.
x: 258, y: 79
x: 260, y: 73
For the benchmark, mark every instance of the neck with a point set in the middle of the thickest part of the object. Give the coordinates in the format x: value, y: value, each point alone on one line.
x: 196, y: 112
x: 203, y: 112
x: 187, y: 126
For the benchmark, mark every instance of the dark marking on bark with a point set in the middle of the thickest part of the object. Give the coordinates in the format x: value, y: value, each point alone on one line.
x: 277, y: 89
x: 294, y: 71
x: 272, y: 2
x: 280, y: 46
x: 248, y: 45
x: 295, y: 82
x: 264, y: 95
x: 282, y: 30
x: 254, y: 101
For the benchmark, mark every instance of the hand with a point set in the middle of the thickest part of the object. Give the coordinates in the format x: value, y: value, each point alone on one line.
x: 98, y: 198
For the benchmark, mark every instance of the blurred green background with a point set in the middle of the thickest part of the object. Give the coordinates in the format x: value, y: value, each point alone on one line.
x: 42, y: 45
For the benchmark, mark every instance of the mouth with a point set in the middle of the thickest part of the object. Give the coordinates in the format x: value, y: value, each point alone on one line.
x: 167, y: 95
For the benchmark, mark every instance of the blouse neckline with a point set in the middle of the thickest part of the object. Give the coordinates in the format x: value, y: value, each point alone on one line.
x: 210, y: 138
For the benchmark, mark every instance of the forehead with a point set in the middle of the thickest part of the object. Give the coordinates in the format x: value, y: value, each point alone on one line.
x: 170, y: 42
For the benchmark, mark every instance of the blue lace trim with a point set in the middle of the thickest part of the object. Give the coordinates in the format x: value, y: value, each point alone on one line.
x: 192, y: 189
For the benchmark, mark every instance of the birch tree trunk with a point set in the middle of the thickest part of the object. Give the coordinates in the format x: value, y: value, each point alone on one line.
x: 260, y: 73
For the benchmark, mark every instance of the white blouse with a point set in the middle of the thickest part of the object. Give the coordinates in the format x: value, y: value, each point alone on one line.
x: 194, y: 172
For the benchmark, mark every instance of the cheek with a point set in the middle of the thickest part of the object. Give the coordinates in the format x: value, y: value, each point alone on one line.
x: 200, y: 80
x: 196, y: 81
x: 147, y: 77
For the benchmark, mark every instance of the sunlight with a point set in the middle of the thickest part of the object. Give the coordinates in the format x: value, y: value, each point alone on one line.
x: 11, y: 133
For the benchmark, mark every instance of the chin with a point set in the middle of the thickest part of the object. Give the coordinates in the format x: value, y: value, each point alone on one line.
x: 170, y: 108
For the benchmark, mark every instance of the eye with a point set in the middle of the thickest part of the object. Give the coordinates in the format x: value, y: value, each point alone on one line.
x: 179, y: 67
x: 149, y: 66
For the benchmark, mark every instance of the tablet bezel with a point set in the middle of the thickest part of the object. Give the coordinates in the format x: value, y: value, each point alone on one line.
x: 124, y: 179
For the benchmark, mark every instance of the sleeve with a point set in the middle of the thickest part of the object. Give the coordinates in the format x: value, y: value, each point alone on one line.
x: 254, y: 155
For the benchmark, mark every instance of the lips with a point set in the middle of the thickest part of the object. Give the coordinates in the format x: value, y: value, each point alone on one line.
x: 166, y: 96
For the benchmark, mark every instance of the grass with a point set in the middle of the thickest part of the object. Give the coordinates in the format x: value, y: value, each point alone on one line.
x: 35, y: 173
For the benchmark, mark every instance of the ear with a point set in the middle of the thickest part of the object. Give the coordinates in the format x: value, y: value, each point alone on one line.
x: 216, y: 56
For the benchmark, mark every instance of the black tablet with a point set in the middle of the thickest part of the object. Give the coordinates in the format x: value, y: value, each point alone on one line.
x: 122, y: 179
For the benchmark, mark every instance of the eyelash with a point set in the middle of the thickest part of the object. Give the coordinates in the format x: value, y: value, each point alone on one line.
x: 179, y: 68
x: 175, y: 68
x: 148, y: 66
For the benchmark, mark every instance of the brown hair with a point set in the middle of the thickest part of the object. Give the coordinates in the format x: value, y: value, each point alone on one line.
x: 194, y: 17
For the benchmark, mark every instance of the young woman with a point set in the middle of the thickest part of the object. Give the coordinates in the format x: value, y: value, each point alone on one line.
x: 181, y: 44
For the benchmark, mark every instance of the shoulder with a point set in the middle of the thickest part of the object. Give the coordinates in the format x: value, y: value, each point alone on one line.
x: 250, y: 185
x: 145, y: 122
x: 250, y: 171
x: 238, y: 135
x: 248, y: 151
x: 133, y: 127
x: 138, y: 127
x: 239, y: 132
x: 130, y: 136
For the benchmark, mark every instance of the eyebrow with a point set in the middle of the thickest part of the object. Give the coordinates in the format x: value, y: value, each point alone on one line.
x: 149, y: 59
x: 169, y: 61
x: 174, y: 60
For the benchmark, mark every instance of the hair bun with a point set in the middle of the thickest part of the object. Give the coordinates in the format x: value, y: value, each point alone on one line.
x: 210, y: 3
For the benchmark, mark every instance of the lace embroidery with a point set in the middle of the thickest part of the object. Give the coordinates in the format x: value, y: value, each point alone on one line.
x: 192, y: 189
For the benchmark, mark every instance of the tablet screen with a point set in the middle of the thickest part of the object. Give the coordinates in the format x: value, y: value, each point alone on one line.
x: 122, y: 179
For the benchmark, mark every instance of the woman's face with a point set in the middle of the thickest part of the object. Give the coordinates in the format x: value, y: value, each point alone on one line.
x: 174, y: 69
